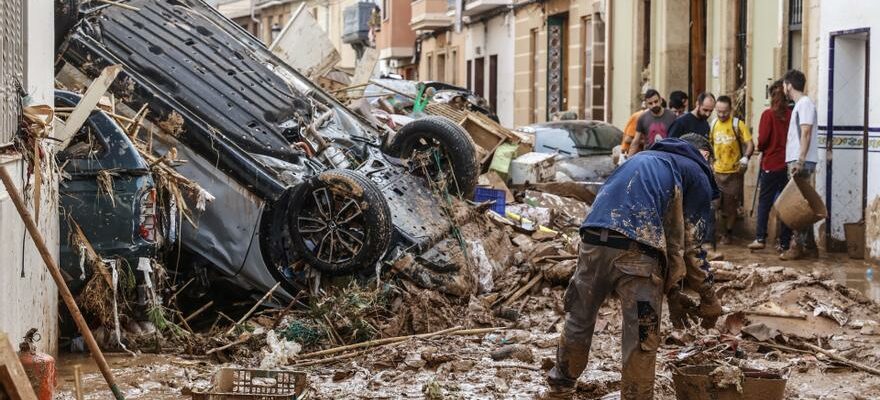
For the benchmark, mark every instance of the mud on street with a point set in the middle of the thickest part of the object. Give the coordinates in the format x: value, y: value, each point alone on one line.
x: 510, y: 363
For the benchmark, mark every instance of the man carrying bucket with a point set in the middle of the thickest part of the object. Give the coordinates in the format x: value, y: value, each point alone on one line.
x: 801, y: 154
x: 641, y: 240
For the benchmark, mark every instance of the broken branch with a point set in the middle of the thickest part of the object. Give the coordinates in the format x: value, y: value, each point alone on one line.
x: 240, y: 340
x: 839, y: 358
x: 378, y: 342
x: 254, y: 308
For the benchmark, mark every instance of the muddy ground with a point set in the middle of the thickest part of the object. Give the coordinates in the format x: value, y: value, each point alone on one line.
x: 462, y: 367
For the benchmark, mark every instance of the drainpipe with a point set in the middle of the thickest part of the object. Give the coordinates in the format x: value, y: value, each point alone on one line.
x: 255, y: 20
x: 609, y: 60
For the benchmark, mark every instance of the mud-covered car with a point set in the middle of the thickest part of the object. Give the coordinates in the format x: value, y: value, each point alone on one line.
x: 583, y: 148
x: 300, y: 183
x: 107, y: 193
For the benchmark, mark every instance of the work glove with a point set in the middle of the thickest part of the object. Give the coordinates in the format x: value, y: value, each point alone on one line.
x: 743, y: 163
x: 622, y: 159
x: 710, y: 308
x: 682, y: 309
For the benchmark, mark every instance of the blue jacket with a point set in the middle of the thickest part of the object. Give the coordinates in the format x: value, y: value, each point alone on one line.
x: 635, y: 199
x: 662, y: 198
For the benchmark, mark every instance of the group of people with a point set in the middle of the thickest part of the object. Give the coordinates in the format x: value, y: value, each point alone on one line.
x: 787, y: 136
x: 644, y: 237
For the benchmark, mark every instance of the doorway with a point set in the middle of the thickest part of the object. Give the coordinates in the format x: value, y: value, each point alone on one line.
x: 697, y: 51
x: 845, y: 180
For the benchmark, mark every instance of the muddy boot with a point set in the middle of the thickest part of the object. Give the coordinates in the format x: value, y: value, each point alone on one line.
x: 794, y: 252
x: 757, y: 245
x: 710, y: 308
x: 811, y: 252
x: 556, y: 393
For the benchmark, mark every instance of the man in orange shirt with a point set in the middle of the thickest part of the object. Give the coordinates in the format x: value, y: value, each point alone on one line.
x: 629, y: 132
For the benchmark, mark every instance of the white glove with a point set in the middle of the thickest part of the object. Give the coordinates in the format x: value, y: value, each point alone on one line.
x: 744, y: 162
x: 622, y: 159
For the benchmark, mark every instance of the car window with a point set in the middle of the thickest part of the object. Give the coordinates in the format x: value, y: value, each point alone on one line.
x: 592, y: 139
x: 84, y: 145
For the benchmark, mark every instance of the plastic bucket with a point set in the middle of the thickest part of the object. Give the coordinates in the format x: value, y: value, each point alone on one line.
x: 799, y: 206
x: 855, y: 239
x: 694, y: 383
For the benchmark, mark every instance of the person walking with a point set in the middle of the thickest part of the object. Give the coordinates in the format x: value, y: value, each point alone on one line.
x: 696, y: 121
x: 732, y: 144
x: 629, y: 133
x: 772, y: 135
x: 801, y: 154
x: 653, y: 124
x: 640, y: 241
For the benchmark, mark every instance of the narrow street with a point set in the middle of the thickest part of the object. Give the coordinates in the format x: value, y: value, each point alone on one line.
x: 452, y: 367
x: 439, y: 199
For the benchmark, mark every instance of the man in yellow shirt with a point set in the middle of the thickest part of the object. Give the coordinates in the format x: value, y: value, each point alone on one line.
x: 732, y: 145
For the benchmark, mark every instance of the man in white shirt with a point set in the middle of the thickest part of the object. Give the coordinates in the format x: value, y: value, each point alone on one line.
x: 801, y: 154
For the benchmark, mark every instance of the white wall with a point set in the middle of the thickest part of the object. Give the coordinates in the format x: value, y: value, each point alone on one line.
x: 495, y: 37
x: 31, y: 300
x: 842, y: 15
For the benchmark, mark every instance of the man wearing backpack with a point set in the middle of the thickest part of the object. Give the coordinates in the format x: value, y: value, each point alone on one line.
x: 732, y: 144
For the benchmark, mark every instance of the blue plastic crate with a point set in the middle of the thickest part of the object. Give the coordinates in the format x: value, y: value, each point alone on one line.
x: 482, y: 194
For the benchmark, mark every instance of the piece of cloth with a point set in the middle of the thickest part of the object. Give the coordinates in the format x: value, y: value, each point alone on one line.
x: 771, y: 185
x: 629, y: 131
x: 805, y: 238
x: 689, y: 123
x: 636, y: 280
x: 731, y: 187
x: 804, y: 113
x: 654, y: 127
x: 726, y: 146
x: 772, y: 136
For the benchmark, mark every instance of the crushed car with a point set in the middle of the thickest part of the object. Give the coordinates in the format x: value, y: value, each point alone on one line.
x: 109, y: 195
x: 302, y: 186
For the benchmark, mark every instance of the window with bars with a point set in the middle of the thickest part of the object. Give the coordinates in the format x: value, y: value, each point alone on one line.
x: 11, y: 66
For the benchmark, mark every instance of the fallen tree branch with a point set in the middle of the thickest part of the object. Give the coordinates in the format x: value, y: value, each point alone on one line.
x: 516, y: 295
x: 837, y: 357
x: 240, y: 340
x: 378, y: 342
x: 330, y: 359
x: 457, y: 331
x: 254, y: 308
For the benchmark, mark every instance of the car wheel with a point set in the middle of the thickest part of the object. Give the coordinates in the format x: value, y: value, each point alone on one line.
x: 436, y: 145
x: 339, y: 222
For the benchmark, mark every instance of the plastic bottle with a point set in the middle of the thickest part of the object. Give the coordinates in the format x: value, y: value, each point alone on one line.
x: 869, y: 274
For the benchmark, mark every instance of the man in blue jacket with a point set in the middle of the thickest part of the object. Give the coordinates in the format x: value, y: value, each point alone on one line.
x: 641, y: 240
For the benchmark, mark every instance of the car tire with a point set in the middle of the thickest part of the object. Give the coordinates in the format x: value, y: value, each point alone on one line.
x: 339, y: 222
x: 452, y: 139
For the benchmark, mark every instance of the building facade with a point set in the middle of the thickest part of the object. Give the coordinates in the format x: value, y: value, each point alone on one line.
x: 265, y: 18
x: 848, y: 174
x: 28, y: 295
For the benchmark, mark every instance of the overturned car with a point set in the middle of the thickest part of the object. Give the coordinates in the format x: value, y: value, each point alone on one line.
x: 301, y: 184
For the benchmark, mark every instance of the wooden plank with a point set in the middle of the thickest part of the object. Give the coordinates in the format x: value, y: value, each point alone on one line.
x: 13, y: 379
x: 304, y: 46
x: 87, y: 104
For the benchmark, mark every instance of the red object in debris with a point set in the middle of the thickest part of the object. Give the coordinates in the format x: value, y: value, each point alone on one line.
x: 40, y: 367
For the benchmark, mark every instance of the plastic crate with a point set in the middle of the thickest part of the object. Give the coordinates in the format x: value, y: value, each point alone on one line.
x: 482, y: 194
x: 255, y: 384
